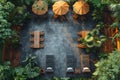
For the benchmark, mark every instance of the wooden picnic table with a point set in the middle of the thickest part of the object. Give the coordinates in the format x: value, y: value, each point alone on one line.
x: 36, y: 39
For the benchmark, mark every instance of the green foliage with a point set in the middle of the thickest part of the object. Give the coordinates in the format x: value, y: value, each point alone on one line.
x: 103, y: 55
x: 70, y: 1
x: 28, y: 2
x: 108, y: 69
x: 98, y: 9
x: 93, y: 39
x: 23, y: 72
x: 6, y: 72
x: 50, y: 2
x: 6, y: 8
x: 67, y: 78
x: 28, y: 71
x: 19, y: 15
x: 116, y: 36
x: 116, y: 9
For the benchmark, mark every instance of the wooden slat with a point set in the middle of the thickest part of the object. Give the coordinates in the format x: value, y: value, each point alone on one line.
x: 85, y: 63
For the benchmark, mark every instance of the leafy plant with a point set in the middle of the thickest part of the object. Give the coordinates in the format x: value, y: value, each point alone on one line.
x: 28, y: 70
x: 19, y: 15
x: 93, y: 39
x: 67, y: 78
x: 6, y: 8
x: 103, y: 55
x: 98, y: 9
x: 108, y: 69
x: 6, y: 72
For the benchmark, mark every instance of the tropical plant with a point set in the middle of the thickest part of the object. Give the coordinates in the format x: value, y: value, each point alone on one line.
x: 115, y: 8
x: 93, y: 39
x: 19, y: 15
x: 98, y: 9
x: 6, y: 71
x: 108, y: 69
x: 103, y: 55
x: 28, y: 70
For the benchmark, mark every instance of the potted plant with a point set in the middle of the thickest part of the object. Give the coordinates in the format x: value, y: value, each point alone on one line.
x: 93, y: 39
x: 40, y: 7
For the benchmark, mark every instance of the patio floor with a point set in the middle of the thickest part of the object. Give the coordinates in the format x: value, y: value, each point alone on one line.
x: 60, y: 40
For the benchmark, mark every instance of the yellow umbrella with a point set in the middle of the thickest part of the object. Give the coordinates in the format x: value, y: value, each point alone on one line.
x: 40, y: 7
x: 60, y: 7
x: 81, y: 7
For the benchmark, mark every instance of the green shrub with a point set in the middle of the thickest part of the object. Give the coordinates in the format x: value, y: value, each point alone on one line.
x: 6, y: 72
x: 108, y: 69
x: 6, y: 8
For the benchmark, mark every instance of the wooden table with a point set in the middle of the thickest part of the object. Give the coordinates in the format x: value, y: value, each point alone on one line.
x: 36, y: 39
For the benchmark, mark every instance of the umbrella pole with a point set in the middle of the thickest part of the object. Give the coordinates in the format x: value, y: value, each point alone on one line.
x: 83, y: 28
x: 82, y: 18
x: 75, y: 16
x: 62, y: 17
x: 55, y: 16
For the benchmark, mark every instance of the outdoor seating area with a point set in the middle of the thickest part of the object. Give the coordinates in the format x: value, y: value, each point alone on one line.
x: 59, y: 39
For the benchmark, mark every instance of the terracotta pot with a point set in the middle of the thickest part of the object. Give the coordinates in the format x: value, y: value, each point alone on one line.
x: 83, y: 33
x: 81, y: 46
x: 42, y: 71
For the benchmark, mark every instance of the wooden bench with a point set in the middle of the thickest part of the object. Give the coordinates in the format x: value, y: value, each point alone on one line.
x: 85, y: 63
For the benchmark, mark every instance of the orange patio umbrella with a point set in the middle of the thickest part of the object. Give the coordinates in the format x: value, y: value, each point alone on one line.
x: 60, y: 7
x: 40, y: 7
x: 81, y: 7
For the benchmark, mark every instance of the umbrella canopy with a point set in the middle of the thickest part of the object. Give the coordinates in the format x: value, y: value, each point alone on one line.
x: 40, y: 7
x: 81, y: 7
x: 60, y: 7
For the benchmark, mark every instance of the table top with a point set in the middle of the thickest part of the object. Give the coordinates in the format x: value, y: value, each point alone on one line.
x: 36, y: 39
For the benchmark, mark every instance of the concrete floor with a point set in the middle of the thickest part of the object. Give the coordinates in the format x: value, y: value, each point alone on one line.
x: 60, y: 40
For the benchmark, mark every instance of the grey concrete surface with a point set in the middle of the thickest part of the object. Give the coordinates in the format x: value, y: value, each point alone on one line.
x: 60, y: 39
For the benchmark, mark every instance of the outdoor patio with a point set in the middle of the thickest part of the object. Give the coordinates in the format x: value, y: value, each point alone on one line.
x: 60, y: 40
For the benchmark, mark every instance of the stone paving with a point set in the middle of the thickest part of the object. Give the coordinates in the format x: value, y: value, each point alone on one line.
x: 60, y: 40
